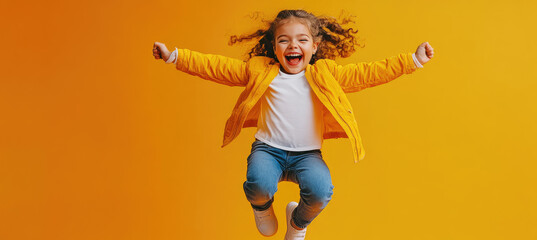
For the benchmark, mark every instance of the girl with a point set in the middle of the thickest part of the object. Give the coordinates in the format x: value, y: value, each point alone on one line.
x: 295, y: 96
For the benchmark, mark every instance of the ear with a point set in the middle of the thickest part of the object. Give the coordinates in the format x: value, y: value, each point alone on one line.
x: 315, y: 45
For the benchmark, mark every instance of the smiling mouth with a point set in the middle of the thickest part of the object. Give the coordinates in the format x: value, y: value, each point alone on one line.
x: 293, y: 60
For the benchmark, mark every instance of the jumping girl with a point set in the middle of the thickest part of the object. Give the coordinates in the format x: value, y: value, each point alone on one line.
x: 295, y: 96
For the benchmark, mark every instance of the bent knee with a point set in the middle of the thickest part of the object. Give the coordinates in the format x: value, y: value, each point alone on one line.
x: 320, y: 197
x: 259, y: 192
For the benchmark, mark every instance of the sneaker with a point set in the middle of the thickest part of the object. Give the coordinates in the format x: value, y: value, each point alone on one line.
x: 292, y: 233
x: 266, y: 222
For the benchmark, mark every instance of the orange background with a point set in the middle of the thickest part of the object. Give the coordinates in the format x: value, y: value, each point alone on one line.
x: 101, y: 141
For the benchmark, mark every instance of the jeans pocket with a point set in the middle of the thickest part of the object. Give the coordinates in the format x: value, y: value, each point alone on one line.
x: 257, y: 143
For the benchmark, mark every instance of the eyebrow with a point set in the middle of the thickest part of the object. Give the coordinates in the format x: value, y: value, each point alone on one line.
x: 303, y: 34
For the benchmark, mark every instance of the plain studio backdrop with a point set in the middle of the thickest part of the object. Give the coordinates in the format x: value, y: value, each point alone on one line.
x: 98, y: 140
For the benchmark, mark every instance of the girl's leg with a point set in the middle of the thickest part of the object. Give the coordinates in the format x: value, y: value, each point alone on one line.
x: 313, y: 177
x: 263, y: 174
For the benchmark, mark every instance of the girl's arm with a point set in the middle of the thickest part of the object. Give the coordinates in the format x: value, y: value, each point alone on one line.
x: 355, y: 77
x: 216, y: 68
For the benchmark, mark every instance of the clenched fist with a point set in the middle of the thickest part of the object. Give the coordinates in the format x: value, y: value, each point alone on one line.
x: 424, y: 53
x: 160, y: 51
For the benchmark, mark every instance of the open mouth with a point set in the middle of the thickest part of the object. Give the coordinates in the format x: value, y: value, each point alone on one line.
x: 293, y: 59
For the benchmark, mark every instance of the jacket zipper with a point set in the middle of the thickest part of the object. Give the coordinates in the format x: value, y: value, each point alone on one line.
x: 241, y: 109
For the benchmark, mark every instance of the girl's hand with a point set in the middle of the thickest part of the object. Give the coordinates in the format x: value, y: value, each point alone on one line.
x: 424, y: 53
x: 160, y: 51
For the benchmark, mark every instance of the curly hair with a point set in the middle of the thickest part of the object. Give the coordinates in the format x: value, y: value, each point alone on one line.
x: 334, y: 40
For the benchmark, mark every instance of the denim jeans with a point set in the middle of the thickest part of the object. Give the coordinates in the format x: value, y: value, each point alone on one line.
x: 267, y: 166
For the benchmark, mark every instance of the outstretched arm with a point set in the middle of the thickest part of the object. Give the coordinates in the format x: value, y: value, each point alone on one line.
x: 355, y: 77
x: 217, y: 68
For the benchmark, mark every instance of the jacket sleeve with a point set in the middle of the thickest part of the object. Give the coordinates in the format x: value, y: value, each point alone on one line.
x: 357, y: 76
x: 216, y: 68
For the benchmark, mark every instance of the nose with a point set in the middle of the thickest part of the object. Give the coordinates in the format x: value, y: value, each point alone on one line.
x: 293, y: 44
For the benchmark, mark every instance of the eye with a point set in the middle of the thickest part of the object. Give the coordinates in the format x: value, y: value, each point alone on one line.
x: 304, y: 40
x: 283, y: 41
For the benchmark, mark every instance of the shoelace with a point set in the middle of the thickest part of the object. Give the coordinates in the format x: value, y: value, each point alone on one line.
x: 298, y: 234
x: 263, y: 215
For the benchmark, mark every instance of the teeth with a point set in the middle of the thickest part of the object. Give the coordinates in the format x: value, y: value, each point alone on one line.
x: 294, y: 55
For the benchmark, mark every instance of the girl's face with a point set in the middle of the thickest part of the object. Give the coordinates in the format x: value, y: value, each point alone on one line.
x: 293, y: 46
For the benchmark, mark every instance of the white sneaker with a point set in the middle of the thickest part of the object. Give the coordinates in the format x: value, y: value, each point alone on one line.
x: 292, y: 233
x: 266, y: 222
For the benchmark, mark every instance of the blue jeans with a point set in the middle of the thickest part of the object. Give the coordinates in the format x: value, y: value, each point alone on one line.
x: 267, y: 166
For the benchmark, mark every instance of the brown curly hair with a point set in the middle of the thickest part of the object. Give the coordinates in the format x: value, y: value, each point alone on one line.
x: 334, y: 40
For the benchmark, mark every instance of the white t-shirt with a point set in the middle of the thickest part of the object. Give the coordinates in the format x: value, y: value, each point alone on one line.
x: 290, y: 114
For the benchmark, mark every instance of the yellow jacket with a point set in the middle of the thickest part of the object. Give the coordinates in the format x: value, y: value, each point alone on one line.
x: 328, y: 80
